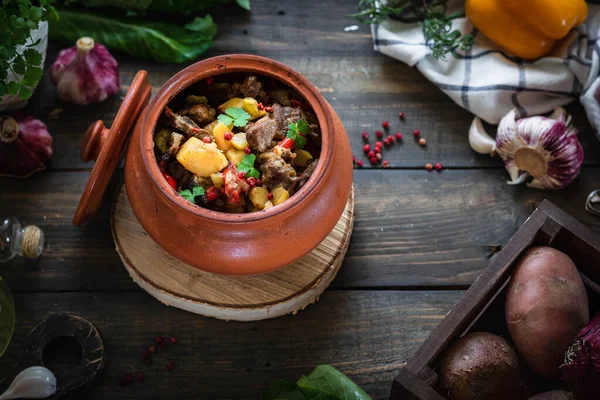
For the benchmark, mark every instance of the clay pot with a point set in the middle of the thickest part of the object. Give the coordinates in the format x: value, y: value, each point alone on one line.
x: 236, y: 244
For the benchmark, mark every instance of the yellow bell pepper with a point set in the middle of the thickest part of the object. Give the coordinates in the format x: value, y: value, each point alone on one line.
x: 526, y: 28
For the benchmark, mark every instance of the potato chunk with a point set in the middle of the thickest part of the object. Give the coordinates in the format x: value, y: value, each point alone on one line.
x: 302, y: 158
x: 239, y: 141
x: 219, y: 132
x: 258, y: 196
x: 201, y: 158
x: 280, y: 195
x: 235, y: 102
x: 251, y: 107
x: 217, y: 180
x: 235, y: 156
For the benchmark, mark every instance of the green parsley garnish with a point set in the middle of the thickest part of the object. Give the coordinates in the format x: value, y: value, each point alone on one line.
x: 191, y: 195
x: 247, y: 166
x: 234, y: 115
x: 297, y: 132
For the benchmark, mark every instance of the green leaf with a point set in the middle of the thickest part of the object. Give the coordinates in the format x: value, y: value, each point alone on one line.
x: 19, y: 65
x: 226, y: 119
x: 326, y: 380
x: 32, y: 57
x: 245, y: 4
x: 247, y: 166
x: 239, y: 116
x: 158, y: 41
x: 283, y: 390
x: 186, y: 194
x: 297, y: 132
x: 7, y: 316
x: 32, y: 76
x: 2, y: 89
x: 12, y: 87
x: 200, y: 24
x: 25, y: 93
x: 198, y: 191
x: 191, y: 195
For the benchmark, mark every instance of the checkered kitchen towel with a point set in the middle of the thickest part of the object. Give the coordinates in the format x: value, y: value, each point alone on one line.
x: 489, y: 83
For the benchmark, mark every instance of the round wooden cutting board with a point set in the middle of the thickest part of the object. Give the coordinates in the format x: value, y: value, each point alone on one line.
x: 240, y: 298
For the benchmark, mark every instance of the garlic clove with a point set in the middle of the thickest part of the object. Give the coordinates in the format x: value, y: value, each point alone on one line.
x: 25, y: 146
x: 479, y: 140
x: 85, y: 73
x: 31, y: 383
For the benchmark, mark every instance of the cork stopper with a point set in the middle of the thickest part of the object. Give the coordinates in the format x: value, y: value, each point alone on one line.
x: 33, y: 242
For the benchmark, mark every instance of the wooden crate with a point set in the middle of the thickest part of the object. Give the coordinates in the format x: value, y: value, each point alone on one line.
x: 482, y: 305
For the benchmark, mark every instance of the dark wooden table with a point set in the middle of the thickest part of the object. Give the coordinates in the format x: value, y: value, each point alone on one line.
x: 420, y: 238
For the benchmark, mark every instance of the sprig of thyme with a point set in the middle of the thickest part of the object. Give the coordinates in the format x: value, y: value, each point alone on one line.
x: 437, y: 26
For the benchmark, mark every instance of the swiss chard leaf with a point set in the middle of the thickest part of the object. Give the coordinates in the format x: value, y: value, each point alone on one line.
x: 324, y: 383
x: 158, y: 41
x: 172, y: 6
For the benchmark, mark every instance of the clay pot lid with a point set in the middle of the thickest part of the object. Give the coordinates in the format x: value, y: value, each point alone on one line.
x: 106, y: 146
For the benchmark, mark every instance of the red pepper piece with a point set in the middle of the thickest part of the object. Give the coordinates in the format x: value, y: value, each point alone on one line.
x: 212, y: 193
x: 287, y: 143
x: 170, y: 180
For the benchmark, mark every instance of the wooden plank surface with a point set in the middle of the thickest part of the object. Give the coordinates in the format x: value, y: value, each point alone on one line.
x: 416, y: 234
x: 367, y: 335
x: 413, y: 228
x: 364, y: 87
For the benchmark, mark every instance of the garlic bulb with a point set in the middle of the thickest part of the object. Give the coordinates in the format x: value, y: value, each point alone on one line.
x: 85, y: 73
x: 31, y: 383
x: 543, y: 149
x: 25, y: 146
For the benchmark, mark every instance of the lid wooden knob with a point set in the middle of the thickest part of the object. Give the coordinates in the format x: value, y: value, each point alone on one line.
x: 93, y: 141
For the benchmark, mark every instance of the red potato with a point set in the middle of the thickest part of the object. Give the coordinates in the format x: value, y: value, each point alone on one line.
x: 480, y: 366
x: 546, y: 306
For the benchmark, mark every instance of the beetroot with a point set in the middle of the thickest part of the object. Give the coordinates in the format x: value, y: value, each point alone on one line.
x: 581, y: 368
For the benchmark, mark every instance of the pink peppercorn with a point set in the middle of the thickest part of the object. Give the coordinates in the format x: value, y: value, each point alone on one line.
x: 378, y: 156
x: 206, y: 139
x: 359, y: 163
x: 379, y: 134
x: 251, y: 182
x: 417, y: 133
x: 385, y: 164
x: 227, y: 136
x: 366, y: 148
x: 401, y: 115
x: 241, y: 175
x: 438, y: 166
x: 365, y: 136
x: 353, y: 159
x: 170, y: 365
x: 210, y: 81
x: 373, y: 160
x: 428, y: 166
x: 385, y: 124
x: 390, y: 139
x: 259, y: 182
x: 247, y: 150
x: 422, y: 142
x: 378, y: 144
x: 371, y: 154
x: 377, y: 150
x: 398, y: 136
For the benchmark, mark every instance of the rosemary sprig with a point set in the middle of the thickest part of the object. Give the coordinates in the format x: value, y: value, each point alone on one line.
x: 437, y: 26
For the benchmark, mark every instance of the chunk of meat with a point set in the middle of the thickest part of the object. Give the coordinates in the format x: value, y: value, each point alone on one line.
x: 277, y: 172
x: 185, y: 124
x: 251, y: 87
x: 201, y: 113
x: 280, y: 96
x: 261, y: 133
x: 178, y: 171
x: 307, y: 173
x: 285, y: 116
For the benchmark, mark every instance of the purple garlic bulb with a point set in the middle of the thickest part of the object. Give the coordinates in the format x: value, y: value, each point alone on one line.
x: 25, y: 146
x: 85, y: 73
x: 542, y: 150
